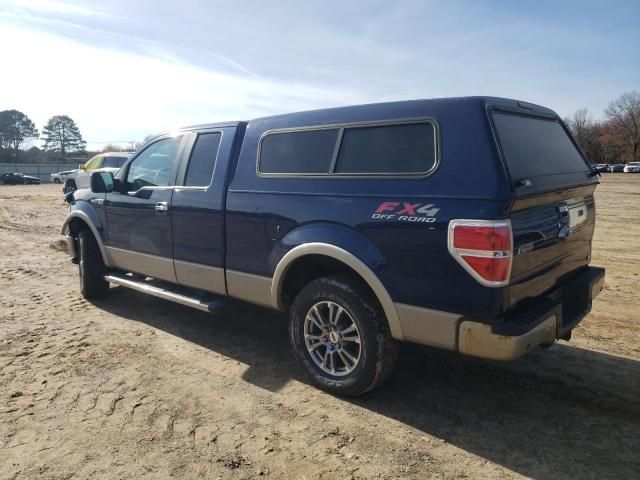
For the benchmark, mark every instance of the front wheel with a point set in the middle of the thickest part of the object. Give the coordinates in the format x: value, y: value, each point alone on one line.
x: 340, y: 337
x: 91, y: 268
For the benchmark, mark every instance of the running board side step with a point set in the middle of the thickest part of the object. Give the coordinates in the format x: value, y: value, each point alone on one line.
x: 205, y: 304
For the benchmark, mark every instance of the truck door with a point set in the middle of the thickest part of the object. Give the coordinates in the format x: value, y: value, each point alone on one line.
x: 197, y: 209
x: 138, y: 235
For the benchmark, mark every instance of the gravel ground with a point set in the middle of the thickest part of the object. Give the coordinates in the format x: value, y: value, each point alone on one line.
x: 134, y: 387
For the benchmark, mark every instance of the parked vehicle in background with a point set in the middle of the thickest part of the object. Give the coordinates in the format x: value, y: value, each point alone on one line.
x: 369, y: 224
x: 60, y: 177
x: 616, y: 168
x: 632, y: 167
x: 18, y: 179
x: 103, y: 162
x: 601, y: 167
x: 109, y: 161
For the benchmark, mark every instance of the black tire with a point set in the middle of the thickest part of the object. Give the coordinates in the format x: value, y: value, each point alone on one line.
x: 378, y: 352
x: 56, y: 181
x: 91, y: 268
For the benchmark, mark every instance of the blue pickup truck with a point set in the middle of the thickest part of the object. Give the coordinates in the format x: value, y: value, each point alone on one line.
x: 464, y: 224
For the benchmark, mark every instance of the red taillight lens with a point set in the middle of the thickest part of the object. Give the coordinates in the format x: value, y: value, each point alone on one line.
x: 483, y: 248
x: 490, y: 268
x: 489, y: 238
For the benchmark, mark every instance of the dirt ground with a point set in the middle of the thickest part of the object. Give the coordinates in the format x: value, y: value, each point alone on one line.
x: 136, y: 387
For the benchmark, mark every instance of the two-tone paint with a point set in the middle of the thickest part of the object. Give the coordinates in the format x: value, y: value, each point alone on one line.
x: 239, y: 235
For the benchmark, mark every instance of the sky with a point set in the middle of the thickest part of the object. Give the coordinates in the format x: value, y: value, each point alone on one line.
x: 124, y: 69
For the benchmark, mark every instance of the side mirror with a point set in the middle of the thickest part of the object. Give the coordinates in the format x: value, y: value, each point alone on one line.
x: 102, y: 182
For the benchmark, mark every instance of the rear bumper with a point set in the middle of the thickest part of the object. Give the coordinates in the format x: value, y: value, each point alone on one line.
x: 478, y: 340
x: 539, y: 323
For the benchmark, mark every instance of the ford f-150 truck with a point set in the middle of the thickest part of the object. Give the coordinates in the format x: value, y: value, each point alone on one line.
x: 464, y: 224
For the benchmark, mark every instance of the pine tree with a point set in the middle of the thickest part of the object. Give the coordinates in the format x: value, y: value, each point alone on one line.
x: 15, y: 128
x: 61, y: 134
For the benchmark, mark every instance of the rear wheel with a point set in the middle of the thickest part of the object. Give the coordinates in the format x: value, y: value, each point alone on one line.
x: 56, y: 181
x: 91, y: 267
x: 340, y: 337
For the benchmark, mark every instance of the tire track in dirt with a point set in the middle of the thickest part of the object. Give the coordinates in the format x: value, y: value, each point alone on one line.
x: 137, y: 387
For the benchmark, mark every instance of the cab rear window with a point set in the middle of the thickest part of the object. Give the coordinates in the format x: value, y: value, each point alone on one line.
x: 535, y: 147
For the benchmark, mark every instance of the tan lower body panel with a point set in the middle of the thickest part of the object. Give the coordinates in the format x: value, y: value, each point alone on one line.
x: 204, y: 277
x: 249, y: 287
x: 428, y: 327
x: 143, y: 263
x: 477, y: 339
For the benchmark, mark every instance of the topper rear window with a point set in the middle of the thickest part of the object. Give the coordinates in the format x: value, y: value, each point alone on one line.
x: 535, y: 147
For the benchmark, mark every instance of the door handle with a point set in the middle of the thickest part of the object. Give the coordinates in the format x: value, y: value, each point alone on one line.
x: 162, y: 207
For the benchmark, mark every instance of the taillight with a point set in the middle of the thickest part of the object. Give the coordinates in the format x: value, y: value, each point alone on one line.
x: 484, y: 248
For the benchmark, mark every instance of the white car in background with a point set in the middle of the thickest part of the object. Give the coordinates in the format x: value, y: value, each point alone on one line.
x: 632, y: 167
x: 103, y: 162
x: 60, y: 177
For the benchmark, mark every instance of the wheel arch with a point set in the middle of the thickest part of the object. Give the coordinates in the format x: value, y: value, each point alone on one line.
x: 343, y: 257
x: 78, y: 219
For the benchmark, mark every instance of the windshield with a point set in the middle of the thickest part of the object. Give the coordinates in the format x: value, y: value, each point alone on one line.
x: 93, y: 163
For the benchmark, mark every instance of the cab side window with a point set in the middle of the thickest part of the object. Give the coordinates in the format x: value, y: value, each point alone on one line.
x: 152, y: 168
x: 113, y: 162
x: 202, y: 160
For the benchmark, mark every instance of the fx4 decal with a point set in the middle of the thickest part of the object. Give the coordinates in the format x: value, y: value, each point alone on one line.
x: 406, y: 212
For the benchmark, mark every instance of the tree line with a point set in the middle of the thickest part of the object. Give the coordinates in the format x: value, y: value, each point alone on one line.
x: 616, y: 139
x: 61, y: 137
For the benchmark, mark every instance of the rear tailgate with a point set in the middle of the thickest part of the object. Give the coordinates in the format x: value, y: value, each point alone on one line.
x: 553, y: 216
x: 551, y: 240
